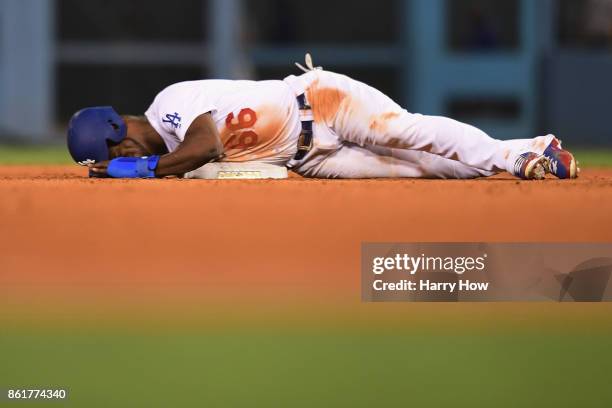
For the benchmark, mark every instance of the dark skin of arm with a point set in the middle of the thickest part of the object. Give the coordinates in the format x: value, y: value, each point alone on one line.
x: 201, y: 145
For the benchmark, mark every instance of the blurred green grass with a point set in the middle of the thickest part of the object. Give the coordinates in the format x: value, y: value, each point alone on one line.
x: 57, y: 154
x: 23, y: 155
x: 310, y: 369
x: 594, y: 157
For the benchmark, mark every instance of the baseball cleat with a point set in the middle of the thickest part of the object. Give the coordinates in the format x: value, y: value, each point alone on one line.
x: 561, y: 162
x: 530, y: 166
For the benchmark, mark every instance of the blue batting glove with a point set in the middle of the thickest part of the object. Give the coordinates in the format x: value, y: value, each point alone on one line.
x: 133, y: 167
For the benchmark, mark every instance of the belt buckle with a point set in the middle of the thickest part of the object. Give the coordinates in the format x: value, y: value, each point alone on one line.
x: 303, y: 146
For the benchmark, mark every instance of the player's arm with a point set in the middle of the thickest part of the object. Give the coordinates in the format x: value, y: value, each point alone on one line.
x: 202, y: 144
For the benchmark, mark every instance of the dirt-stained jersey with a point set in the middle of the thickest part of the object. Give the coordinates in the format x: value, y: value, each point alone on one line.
x: 257, y: 120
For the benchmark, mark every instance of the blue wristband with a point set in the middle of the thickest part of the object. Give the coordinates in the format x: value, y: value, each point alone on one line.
x: 133, y: 167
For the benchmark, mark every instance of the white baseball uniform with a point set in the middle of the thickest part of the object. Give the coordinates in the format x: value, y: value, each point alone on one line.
x: 358, y: 131
x: 257, y: 120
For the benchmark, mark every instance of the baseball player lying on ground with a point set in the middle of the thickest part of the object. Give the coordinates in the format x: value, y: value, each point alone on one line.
x: 319, y: 124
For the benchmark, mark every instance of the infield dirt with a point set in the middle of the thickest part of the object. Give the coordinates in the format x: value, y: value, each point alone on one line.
x: 67, y: 238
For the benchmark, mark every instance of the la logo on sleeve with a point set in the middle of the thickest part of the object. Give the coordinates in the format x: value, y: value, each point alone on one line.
x: 173, y: 120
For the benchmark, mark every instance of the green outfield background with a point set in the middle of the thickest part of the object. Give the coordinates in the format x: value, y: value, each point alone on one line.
x: 312, y: 368
x: 428, y: 355
x: 57, y: 154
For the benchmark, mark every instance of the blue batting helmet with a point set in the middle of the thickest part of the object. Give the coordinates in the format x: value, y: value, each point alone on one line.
x: 92, y: 130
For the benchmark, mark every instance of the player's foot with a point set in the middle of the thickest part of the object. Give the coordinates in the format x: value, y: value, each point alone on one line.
x: 561, y: 162
x: 530, y: 166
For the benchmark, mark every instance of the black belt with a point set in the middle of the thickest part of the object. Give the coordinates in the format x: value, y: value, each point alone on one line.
x: 305, y: 139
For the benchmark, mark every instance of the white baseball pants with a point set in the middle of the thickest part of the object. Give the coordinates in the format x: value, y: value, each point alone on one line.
x: 359, y: 132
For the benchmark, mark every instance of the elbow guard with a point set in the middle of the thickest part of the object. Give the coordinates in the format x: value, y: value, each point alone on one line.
x: 133, y: 167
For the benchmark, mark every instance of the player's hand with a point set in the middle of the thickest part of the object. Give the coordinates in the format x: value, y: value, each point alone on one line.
x: 98, y: 169
x: 125, y: 167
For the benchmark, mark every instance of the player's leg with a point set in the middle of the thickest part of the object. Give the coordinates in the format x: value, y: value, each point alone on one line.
x: 431, y: 165
x: 366, y: 116
x: 352, y: 161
